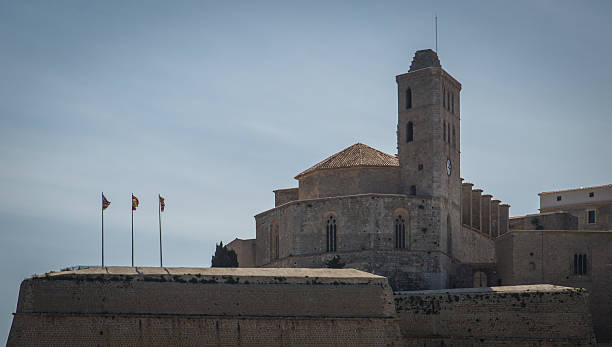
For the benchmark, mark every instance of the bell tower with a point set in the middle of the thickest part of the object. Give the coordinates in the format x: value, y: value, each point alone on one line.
x: 428, y: 139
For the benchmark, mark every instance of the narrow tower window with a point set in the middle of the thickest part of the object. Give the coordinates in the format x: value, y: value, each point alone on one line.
x: 454, y: 138
x: 331, y: 234
x: 409, y: 132
x: 453, y: 103
x: 408, y: 98
x: 400, y: 232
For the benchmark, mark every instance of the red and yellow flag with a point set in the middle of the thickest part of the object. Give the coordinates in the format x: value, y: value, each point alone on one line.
x: 105, y: 203
x: 162, y: 203
x: 134, y: 202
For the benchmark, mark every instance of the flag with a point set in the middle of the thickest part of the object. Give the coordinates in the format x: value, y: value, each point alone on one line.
x: 105, y: 203
x: 162, y: 203
x: 134, y: 202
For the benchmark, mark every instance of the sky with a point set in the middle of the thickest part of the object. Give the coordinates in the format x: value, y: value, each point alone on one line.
x: 215, y: 104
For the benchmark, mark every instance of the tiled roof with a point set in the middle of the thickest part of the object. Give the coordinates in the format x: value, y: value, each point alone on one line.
x: 357, y: 155
x: 576, y: 189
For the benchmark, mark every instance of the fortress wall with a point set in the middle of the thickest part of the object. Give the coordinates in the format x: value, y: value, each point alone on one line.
x: 511, y: 316
x: 134, y: 330
x: 280, y: 293
x: 547, y: 256
x: 183, y: 306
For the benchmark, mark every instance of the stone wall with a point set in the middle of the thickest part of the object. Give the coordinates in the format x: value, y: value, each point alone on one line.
x: 365, y: 223
x: 147, y: 330
x: 170, y: 306
x: 603, y: 215
x: 470, y: 246
x: 541, y: 315
x: 545, y: 221
x: 245, y: 250
x: 283, y: 196
x: 526, y: 257
x: 349, y: 181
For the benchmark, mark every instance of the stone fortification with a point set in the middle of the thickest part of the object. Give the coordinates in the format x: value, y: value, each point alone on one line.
x: 195, y: 306
x: 539, y: 315
x: 551, y: 256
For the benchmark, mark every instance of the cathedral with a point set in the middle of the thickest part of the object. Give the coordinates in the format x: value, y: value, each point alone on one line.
x: 397, y: 216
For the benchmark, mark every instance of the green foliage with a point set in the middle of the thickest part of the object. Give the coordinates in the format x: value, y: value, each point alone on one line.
x: 224, y: 257
x: 335, y: 263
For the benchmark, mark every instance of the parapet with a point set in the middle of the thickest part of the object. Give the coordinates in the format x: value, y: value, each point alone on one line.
x: 146, y: 306
x: 517, y: 315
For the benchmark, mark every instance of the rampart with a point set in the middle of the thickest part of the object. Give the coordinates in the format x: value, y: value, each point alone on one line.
x: 169, y: 306
x: 537, y: 315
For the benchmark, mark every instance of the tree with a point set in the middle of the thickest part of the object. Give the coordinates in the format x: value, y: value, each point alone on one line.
x: 334, y: 263
x: 224, y: 257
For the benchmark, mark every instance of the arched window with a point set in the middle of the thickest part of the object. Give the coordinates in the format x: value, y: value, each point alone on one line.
x: 580, y: 264
x: 454, y: 138
x: 400, y: 232
x: 448, y: 132
x: 274, y: 241
x: 409, y: 132
x: 453, y: 103
x: 331, y: 234
x: 408, y: 98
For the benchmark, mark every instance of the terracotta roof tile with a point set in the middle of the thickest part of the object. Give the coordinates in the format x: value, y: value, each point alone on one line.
x: 357, y: 155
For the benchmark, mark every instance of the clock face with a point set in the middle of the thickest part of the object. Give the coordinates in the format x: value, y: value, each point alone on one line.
x: 449, y: 167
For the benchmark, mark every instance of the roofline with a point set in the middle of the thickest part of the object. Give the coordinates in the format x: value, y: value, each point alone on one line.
x: 302, y: 175
x: 575, y: 189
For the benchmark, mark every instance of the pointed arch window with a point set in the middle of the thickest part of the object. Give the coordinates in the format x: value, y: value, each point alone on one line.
x: 453, y: 103
x: 400, y: 232
x: 454, y: 138
x: 331, y: 234
x: 409, y: 132
x: 408, y: 98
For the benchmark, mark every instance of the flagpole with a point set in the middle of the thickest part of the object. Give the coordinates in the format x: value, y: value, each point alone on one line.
x: 132, y: 231
x: 160, y: 237
x: 102, y: 201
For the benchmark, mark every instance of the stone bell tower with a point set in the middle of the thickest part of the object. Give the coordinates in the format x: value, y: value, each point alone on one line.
x: 428, y: 138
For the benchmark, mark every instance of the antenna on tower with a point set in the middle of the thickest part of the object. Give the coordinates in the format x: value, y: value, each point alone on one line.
x: 436, y: 33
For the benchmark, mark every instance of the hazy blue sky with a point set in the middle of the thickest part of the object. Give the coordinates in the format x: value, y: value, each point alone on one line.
x: 215, y: 104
